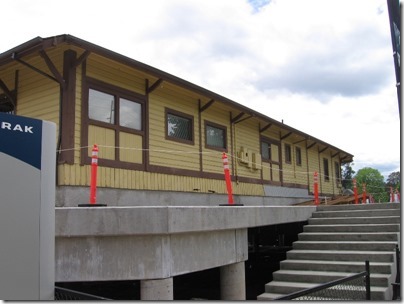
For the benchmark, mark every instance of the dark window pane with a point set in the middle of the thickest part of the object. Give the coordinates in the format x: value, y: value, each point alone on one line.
x: 298, y: 156
x: 101, y: 106
x: 326, y: 171
x: 288, y: 154
x: 179, y: 127
x: 215, y: 137
x: 265, y: 150
x: 130, y: 114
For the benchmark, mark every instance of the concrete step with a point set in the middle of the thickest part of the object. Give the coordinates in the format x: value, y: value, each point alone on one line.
x: 355, y: 220
x: 266, y: 296
x: 285, y: 288
x: 356, y: 213
x: 353, y: 228
x: 337, y: 266
x: 332, y: 255
x: 342, y: 245
x: 359, y: 207
x: 377, y: 293
x: 349, y: 236
x: 321, y: 277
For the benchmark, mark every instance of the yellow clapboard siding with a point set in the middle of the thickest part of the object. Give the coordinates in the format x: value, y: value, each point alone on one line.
x: 131, y: 148
x: 246, y: 136
x: 171, y: 153
x: 130, y: 179
x: 104, y: 138
x: 116, y: 74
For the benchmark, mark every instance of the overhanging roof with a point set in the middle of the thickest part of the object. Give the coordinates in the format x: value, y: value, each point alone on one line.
x: 37, y: 44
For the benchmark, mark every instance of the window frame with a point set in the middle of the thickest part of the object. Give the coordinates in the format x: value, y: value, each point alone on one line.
x: 168, y: 111
x: 270, y: 142
x: 326, y: 169
x: 298, y: 155
x: 337, y: 168
x: 117, y: 92
x: 288, y: 153
x: 217, y: 126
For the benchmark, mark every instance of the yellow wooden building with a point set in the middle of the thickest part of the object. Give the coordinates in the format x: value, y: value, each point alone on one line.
x: 156, y: 131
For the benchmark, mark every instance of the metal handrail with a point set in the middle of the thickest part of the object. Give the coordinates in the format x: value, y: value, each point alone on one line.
x: 308, y: 291
x: 74, y: 295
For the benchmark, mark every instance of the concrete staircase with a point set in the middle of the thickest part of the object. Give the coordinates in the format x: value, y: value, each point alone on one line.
x: 336, y: 243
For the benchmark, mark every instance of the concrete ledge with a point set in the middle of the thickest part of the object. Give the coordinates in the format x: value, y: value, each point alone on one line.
x: 108, y: 221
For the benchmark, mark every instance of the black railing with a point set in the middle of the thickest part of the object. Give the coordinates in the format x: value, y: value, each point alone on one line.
x: 64, y: 294
x: 355, y: 287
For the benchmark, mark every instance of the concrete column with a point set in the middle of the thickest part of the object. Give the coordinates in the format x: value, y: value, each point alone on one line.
x: 156, y: 290
x: 232, y: 282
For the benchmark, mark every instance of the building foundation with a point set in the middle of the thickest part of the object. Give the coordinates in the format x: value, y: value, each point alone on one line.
x: 157, y: 290
x: 232, y: 282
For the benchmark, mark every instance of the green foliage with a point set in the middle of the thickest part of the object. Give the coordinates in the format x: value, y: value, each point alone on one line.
x: 374, y: 183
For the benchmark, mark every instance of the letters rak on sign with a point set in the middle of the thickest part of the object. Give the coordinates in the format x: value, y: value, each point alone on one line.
x: 21, y: 138
x: 16, y: 127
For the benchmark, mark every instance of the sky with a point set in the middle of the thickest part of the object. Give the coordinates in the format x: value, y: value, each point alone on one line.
x: 324, y: 67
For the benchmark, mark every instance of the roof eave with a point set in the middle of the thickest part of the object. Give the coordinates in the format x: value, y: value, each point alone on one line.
x: 39, y: 43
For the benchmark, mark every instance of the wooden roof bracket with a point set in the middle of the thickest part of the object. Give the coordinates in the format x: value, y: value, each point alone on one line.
x: 333, y: 155
x: 155, y: 85
x: 54, y: 78
x: 286, y: 135
x: 52, y: 68
x: 298, y: 142
x: 241, y: 120
x: 7, y: 92
x: 206, y: 106
x: 235, y: 119
x: 310, y: 146
x: 82, y: 58
x: 322, y: 150
x: 264, y: 128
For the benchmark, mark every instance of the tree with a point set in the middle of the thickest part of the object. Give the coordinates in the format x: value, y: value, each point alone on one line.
x: 394, y: 180
x: 374, y: 182
x: 347, y: 175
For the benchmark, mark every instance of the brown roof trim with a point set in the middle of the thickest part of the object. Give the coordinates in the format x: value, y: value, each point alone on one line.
x: 39, y: 43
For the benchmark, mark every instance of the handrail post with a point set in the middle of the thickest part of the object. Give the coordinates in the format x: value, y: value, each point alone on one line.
x: 367, y: 266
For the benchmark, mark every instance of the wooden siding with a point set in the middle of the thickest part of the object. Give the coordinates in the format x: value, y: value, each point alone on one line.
x: 103, y: 137
x: 116, y: 74
x: 140, y: 180
x: 38, y: 96
x: 170, y: 153
x: 211, y: 158
x: 131, y: 150
x: 247, y: 139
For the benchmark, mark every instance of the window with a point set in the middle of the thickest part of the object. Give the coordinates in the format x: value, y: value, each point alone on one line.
x: 215, y: 136
x: 130, y: 114
x: 265, y: 150
x: 326, y: 170
x: 270, y: 150
x: 179, y: 127
x: 298, y: 156
x: 288, y: 154
x: 337, y: 172
x: 101, y: 107
x: 114, y: 120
